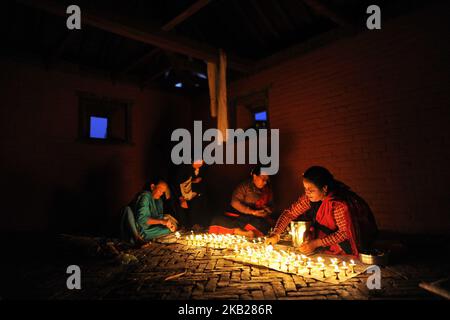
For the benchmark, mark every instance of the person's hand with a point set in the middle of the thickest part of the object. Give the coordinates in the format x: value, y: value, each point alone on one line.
x: 171, y: 219
x: 267, y: 209
x: 273, y: 239
x: 309, y: 247
x: 183, y: 203
x: 170, y: 225
x: 259, y: 213
x: 197, y: 180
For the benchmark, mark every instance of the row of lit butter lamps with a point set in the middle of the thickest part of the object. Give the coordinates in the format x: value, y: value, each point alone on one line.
x: 266, y: 254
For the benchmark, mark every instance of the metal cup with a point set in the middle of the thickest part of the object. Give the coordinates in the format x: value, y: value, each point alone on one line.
x: 300, y: 232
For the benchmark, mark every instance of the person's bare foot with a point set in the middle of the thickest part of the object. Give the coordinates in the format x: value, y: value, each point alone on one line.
x: 249, y: 234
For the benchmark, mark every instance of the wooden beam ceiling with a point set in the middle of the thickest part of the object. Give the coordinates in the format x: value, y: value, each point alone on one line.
x: 136, y: 62
x: 251, y: 27
x: 323, y: 10
x: 56, y: 52
x: 193, y: 9
x: 190, y: 11
x: 268, y: 24
x: 151, y: 79
x: 284, y: 17
x: 181, y: 65
x: 136, y: 31
x: 301, y: 48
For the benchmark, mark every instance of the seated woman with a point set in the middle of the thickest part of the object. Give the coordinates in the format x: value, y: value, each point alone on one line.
x: 251, y: 205
x: 150, y: 220
x: 342, y: 222
x: 192, y: 194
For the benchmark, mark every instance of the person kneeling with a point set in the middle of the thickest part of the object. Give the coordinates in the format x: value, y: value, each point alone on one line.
x: 251, y: 206
x: 150, y: 219
x: 342, y: 222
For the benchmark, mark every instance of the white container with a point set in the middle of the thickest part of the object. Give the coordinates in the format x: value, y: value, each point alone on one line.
x: 300, y: 232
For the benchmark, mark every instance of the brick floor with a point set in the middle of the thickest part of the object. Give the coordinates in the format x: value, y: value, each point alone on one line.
x: 207, y: 275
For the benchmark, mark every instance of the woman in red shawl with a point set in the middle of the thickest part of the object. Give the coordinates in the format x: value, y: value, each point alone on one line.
x: 342, y: 222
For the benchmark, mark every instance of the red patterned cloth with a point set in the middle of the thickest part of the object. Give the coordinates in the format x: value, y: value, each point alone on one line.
x: 248, y: 197
x: 349, y: 219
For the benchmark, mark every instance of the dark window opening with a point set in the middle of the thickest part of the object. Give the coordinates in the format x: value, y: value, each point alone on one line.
x: 250, y: 111
x: 98, y: 128
x: 260, y: 119
x: 104, y: 120
x: 261, y: 116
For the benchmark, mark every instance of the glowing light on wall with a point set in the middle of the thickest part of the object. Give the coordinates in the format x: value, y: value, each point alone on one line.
x: 98, y: 128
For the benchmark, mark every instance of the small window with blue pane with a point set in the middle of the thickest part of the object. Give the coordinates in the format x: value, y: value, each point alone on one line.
x: 98, y: 128
x: 260, y: 119
x: 104, y: 120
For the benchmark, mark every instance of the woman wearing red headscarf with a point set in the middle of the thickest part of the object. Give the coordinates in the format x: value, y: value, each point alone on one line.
x: 342, y: 222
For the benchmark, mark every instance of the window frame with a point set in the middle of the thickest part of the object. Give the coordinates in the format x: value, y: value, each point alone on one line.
x: 91, y: 105
x: 254, y: 102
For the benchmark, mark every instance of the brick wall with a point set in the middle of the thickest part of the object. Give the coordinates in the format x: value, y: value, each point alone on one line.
x: 374, y: 109
x: 51, y: 181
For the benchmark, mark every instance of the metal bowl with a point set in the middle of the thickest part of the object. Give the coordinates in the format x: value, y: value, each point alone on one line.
x: 374, y: 257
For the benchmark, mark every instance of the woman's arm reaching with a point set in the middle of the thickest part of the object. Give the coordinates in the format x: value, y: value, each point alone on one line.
x: 298, y: 208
